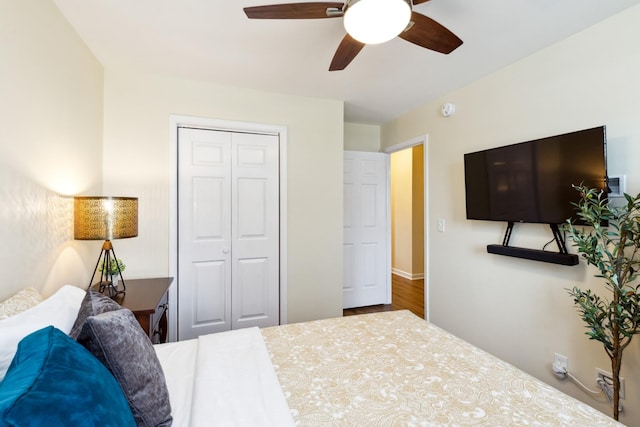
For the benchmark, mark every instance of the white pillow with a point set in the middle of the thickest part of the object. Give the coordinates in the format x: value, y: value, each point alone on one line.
x: 59, y: 310
x: 21, y: 301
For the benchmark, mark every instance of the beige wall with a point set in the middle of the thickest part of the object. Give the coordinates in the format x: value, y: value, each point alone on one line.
x: 50, y: 146
x: 137, y: 163
x: 359, y: 137
x: 517, y: 309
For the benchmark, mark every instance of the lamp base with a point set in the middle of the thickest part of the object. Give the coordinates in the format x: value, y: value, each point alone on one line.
x: 108, y: 284
x: 109, y: 289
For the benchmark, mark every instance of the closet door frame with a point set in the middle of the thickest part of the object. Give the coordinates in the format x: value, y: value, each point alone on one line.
x: 176, y: 121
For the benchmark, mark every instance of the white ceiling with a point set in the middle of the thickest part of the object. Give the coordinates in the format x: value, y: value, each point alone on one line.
x: 213, y: 40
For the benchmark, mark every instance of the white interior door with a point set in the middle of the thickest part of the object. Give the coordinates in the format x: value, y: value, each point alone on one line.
x: 255, y: 230
x: 228, y: 231
x: 366, y: 277
x: 204, y: 223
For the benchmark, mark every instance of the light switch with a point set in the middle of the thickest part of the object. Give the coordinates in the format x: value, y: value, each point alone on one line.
x: 441, y: 225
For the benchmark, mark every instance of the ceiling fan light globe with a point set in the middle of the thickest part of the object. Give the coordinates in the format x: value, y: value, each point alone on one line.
x: 376, y: 21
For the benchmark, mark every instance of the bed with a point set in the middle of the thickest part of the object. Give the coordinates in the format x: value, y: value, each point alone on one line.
x: 383, y: 369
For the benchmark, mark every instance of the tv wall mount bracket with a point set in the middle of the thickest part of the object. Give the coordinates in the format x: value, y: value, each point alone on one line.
x: 562, y: 257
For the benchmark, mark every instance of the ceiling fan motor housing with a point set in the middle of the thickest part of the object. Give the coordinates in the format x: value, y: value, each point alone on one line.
x: 376, y: 21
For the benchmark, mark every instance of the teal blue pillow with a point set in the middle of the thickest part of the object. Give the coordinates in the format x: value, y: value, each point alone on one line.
x: 54, y: 381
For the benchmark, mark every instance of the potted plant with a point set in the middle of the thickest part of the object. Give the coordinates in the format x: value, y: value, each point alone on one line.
x: 113, y: 268
x: 613, y: 250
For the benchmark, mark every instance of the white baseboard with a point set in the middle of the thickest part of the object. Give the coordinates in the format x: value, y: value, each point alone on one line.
x: 406, y: 275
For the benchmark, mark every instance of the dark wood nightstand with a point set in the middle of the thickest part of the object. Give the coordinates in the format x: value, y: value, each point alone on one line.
x: 148, y: 300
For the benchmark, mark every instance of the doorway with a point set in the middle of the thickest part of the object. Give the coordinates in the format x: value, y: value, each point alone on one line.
x: 419, y: 286
x: 422, y: 140
x: 407, y: 228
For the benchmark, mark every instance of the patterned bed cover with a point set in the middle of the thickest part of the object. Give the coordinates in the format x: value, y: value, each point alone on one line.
x: 393, y: 368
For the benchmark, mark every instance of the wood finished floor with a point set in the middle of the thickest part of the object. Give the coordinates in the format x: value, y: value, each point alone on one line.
x: 405, y: 294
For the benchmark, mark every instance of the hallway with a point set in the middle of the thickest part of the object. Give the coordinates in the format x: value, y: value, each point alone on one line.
x: 405, y: 294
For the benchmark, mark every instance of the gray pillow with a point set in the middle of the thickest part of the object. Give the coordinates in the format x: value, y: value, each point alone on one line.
x: 93, y: 303
x: 118, y: 341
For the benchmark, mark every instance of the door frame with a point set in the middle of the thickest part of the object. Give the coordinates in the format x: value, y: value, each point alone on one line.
x: 424, y: 140
x: 176, y: 121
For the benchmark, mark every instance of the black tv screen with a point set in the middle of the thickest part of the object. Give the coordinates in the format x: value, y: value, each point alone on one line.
x: 532, y: 181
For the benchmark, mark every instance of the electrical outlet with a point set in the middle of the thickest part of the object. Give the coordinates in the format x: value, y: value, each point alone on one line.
x: 604, y: 377
x: 560, y: 364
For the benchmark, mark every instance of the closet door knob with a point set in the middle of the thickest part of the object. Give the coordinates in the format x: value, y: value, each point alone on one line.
x: 225, y: 251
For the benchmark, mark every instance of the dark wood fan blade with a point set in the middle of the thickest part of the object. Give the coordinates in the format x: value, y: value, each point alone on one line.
x: 294, y: 11
x: 430, y: 34
x: 347, y: 50
x: 415, y: 2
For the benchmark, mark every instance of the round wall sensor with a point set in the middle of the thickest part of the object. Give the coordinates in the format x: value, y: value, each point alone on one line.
x: 448, y: 109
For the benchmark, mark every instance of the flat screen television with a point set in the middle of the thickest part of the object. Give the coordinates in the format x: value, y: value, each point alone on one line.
x: 532, y: 181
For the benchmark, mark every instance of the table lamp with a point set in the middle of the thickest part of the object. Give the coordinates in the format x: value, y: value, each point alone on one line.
x: 106, y: 218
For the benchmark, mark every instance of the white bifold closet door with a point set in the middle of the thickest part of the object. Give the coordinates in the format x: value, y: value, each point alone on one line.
x: 228, y: 231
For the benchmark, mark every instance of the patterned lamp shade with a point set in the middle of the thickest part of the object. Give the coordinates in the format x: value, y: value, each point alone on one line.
x: 105, y: 218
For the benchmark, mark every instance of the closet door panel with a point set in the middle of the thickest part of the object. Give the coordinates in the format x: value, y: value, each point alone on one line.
x: 228, y: 225
x: 204, y: 224
x: 252, y: 208
x: 252, y: 291
x: 255, y: 230
x: 209, y: 286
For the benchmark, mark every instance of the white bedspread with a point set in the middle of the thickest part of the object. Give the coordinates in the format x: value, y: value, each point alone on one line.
x: 395, y: 369
x: 384, y: 369
x: 223, y: 379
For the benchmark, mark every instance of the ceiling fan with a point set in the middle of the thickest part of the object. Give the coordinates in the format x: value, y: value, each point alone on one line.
x: 367, y: 22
